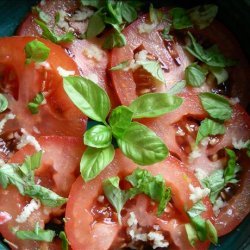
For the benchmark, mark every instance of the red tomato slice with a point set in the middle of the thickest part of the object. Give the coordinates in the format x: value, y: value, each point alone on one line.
x: 91, y: 59
x: 58, y: 116
x: 170, y: 55
x: 93, y: 225
x: 59, y: 169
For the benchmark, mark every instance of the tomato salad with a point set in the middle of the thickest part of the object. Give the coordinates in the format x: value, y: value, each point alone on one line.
x: 166, y: 163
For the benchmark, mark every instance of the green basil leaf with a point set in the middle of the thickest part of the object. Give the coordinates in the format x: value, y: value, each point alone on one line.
x: 142, y: 145
x: 165, y: 33
x: 115, y: 10
x: 209, y: 127
x: 120, y: 66
x: 65, y: 242
x: 196, y: 209
x: 211, y: 232
x: 200, y: 226
x: 46, y: 196
x: 93, y: 3
x: 88, y: 97
x: 94, y: 160
x: 232, y: 167
x: 177, y: 88
x: 154, y: 69
x: 42, y: 15
x: 36, y: 51
x: 3, y: 103
x: 120, y: 119
x: 33, y: 106
x: 50, y: 35
x: 217, y: 106
x: 181, y: 19
x: 195, y: 75
x: 191, y: 234
x: 128, y: 12
x: 99, y: 136
x: 203, y: 15
x: 154, y: 104
x: 96, y: 25
x: 116, y: 39
x: 38, y: 234
x: 114, y: 194
x: 220, y: 74
x: 155, y: 15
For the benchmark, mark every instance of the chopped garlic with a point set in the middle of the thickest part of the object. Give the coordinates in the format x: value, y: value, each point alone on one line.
x: 93, y: 77
x: 93, y: 52
x: 100, y: 198
x: 200, y: 174
x: 219, y: 203
x: 63, y: 72
x: 28, y: 210
x: 6, y: 118
x: 194, y: 154
x: 197, y: 193
x: 62, y: 23
x: 239, y: 144
x: 44, y: 64
x: 134, y: 64
x: 82, y: 14
x: 146, y: 28
x: 234, y: 100
x: 158, y: 240
x: 132, y: 220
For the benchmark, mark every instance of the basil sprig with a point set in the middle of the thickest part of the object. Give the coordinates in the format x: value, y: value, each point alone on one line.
x: 135, y: 140
x: 37, y: 234
x: 22, y: 176
x: 142, y: 183
x: 3, y: 103
x: 33, y: 106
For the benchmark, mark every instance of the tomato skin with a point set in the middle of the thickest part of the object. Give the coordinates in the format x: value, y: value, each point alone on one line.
x: 84, y: 232
x: 58, y: 116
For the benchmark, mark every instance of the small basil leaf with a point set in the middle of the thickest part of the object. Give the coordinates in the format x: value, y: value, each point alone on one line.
x: 196, y: 209
x: 115, y: 10
x: 33, y: 106
x: 217, y: 106
x: 94, y: 160
x: 3, y: 103
x: 36, y: 51
x: 65, y: 242
x: 200, y: 226
x: 42, y: 15
x: 211, y: 232
x: 155, y: 15
x: 203, y: 15
x: 93, y: 3
x: 165, y: 33
x: 154, y: 69
x: 128, y: 12
x: 46, y: 196
x: 142, y: 145
x: 31, y: 163
x: 154, y: 104
x: 121, y: 65
x: 195, y: 75
x: 209, y: 127
x: 181, y: 19
x: 120, y: 119
x: 116, y: 39
x: 88, y: 97
x: 114, y: 194
x: 50, y: 35
x: 96, y: 25
x: 220, y: 74
x: 38, y: 234
x: 177, y: 88
x: 98, y: 136
x: 232, y: 167
x: 191, y: 234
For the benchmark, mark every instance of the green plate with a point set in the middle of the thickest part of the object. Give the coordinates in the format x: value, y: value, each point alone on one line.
x: 235, y: 14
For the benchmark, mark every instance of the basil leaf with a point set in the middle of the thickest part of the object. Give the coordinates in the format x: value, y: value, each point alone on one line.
x: 42, y: 15
x: 121, y: 66
x: 203, y: 15
x: 232, y: 168
x: 128, y: 12
x: 209, y: 127
x: 120, y: 119
x: 195, y: 75
x: 153, y: 186
x: 96, y: 25
x: 220, y: 74
x: 94, y: 160
x: 200, y: 226
x: 116, y: 39
x: 33, y: 106
x: 191, y: 234
x: 165, y: 33
x: 36, y: 51
x: 177, y: 88
x: 38, y: 234
x: 217, y: 106
x: 155, y: 15
x: 88, y: 97
x: 65, y: 242
x: 211, y: 232
x: 114, y: 194
x: 142, y: 145
x: 154, y: 104
x: 154, y: 69
x: 196, y: 209
x: 181, y: 19
x: 46, y: 196
x: 93, y: 3
x: 99, y: 136
x: 50, y: 35
x: 212, y: 56
x: 3, y: 103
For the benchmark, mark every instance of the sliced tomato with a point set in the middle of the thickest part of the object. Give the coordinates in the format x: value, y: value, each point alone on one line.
x: 58, y: 116
x: 91, y: 59
x: 93, y: 225
x: 171, y: 56
x: 58, y: 170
